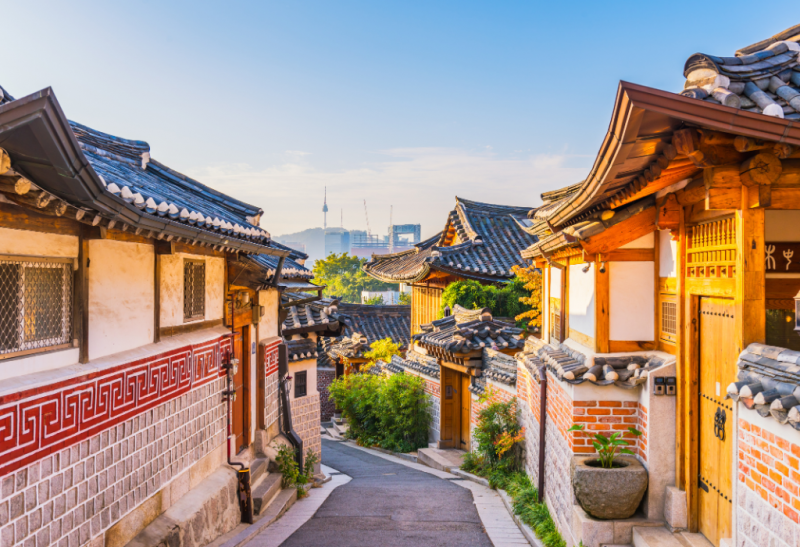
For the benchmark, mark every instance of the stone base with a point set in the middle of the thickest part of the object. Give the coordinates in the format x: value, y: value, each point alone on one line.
x: 440, y: 458
x: 204, y: 513
x: 675, y: 511
x: 596, y: 533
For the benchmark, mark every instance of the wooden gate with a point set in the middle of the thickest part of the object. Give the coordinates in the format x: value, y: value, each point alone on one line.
x: 717, y: 369
x: 241, y: 406
x: 466, y: 402
x: 450, y: 409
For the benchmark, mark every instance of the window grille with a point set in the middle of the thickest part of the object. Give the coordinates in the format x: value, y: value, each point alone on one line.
x: 300, y: 384
x: 669, y: 320
x: 35, y: 304
x: 555, y: 319
x: 194, y: 290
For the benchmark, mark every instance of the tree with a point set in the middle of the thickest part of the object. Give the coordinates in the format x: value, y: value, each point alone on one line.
x: 531, y: 277
x: 380, y: 350
x: 375, y: 301
x: 343, y: 277
x: 405, y: 299
x: 512, y: 299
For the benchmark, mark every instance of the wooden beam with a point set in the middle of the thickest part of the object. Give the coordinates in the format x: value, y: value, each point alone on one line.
x: 692, y: 193
x: 667, y: 213
x: 18, y: 217
x: 602, y: 325
x: 624, y: 232
x: 166, y: 332
x: 628, y: 255
x: 626, y: 346
x: 723, y: 199
x: 759, y: 195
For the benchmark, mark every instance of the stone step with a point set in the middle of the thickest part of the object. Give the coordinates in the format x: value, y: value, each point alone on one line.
x: 334, y: 434
x: 341, y: 428
x: 440, y: 458
x: 661, y: 537
x: 258, y: 467
x: 245, y: 532
x: 265, y: 491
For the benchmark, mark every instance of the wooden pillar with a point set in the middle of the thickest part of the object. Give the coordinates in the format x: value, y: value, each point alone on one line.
x: 680, y: 354
x: 546, y: 324
x: 156, y: 296
x: 82, y: 296
x: 602, y: 326
x: 750, y: 283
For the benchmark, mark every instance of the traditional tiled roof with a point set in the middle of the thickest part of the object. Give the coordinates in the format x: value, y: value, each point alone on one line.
x: 463, y: 333
x: 301, y: 349
x: 128, y: 172
x: 109, y: 182
x: 324, y: 344
x: 769, y: 383
x: 292, y: 269
x: 320, y: 316
x: 365, y: 324
x: 568, y: 365
x: 762, y: 78
x: 499, y: 367
x: 480, y: 241
x: 399, y: 364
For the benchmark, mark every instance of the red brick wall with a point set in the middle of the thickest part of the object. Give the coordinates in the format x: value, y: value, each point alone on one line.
x: 768, y: 465
x: 528, y: 390
x: 326, y: 406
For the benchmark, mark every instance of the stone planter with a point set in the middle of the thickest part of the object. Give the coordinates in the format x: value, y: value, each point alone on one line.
x: 609, y: 493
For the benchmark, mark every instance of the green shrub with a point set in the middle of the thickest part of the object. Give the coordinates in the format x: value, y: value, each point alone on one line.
x: 507, y: 300
x: 405, y: 416
x: 498, y: 437
x: 389, y: 412
x: 290, y: 471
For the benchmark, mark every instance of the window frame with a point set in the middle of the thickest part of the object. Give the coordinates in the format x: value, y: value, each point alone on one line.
x: 664, y: 335
x: 195, y: 316
x: 66, y: 339
x: 304, y: 375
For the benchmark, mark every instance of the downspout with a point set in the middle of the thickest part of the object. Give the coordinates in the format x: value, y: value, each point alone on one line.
x: 542, y: 420
x: 284, y: 408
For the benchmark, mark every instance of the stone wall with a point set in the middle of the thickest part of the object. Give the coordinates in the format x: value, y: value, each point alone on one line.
x: 305, y: 419
x: 528, y: 397
x: 768, y: 497
x: 433, y: 389
x: 325, y: 377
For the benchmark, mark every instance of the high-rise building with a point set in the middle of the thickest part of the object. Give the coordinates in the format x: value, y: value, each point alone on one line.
x: 337, y: 240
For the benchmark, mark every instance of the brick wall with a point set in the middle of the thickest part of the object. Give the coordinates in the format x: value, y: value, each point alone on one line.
x: 115, y: 453
x: 433, y: 388
x: 528, y: 397
x: 305, y: 419
x: 768, y: 504
x: 325, y: 377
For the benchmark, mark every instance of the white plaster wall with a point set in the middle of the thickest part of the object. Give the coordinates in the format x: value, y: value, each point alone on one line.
x: 39, y: 362
x: 309, y: 365
x: 782, y: 225
x: 631, y: 301
x: 121, y: 296
x: 667, y: 254
x: 644, y: 242
x: 172, y: 288
x: 27, y: 243
x: 268, y: 326
x: 581, y: 299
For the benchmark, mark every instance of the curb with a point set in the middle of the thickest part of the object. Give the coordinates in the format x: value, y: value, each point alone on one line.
x: 402, y: 455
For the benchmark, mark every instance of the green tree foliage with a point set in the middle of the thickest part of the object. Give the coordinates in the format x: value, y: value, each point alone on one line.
x: 391, y: 412
x: 504, y: 301
x: 380, y: 350
x: 405, y: 299
x: 497, y: 439
x: 343, y: 277
x: 375, y: 301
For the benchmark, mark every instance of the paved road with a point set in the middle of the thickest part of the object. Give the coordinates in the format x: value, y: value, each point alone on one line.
x: 388, y: 504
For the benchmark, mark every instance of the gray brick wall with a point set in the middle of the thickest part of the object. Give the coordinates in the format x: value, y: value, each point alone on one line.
x: 558, y: 487
x: 759, y: 524
x: 528, y: 421
x: 305, y: 419
x: 76, y: 494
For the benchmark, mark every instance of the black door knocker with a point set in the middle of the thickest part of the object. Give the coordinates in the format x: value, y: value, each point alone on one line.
x: 719, y: 424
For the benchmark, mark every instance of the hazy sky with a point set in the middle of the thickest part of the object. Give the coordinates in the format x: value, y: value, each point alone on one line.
x: 400, y: 103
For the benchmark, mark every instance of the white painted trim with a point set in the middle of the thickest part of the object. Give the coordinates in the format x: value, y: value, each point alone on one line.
x: 785, y: 432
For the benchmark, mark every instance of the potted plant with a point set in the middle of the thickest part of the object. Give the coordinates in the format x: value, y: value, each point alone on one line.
x: 609, y: 486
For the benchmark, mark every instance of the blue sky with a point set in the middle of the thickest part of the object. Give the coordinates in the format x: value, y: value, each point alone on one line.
x: 399, y: 103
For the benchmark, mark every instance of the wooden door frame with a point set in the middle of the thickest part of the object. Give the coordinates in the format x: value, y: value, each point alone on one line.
x: 246, y: 379
x: 457, y: 412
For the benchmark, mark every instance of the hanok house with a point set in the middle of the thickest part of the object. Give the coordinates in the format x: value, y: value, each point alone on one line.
x: 308, y: 318
x: 123, y: 301
x: 480, y: 241
x: 672, y: 262
x: 458, y: 356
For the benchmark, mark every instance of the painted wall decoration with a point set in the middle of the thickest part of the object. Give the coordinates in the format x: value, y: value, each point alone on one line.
x: 782, y: 257
x: 46, y: 419
x: 271, y: 357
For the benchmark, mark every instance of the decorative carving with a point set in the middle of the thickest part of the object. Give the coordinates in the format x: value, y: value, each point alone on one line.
x: 778, y: 257
x: 36, y: 422
x: 711, y: 250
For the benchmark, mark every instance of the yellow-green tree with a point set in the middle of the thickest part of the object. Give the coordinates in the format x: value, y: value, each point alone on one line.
x: 532, y: 279
x: 380, y: 350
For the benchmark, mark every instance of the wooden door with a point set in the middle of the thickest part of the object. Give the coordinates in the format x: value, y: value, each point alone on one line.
x: 466, y: 402
x: 717, y: 362
x: 241, y: 350
x: 450, y: 409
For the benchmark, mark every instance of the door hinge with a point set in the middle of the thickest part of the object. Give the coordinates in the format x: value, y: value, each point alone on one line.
x: 701, y: 484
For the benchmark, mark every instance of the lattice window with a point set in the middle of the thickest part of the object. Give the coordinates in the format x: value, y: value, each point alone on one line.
x: 669, y: 320
x: 711, y: 249
x: 194, y: 290
x: 35, y: 304
x: 300, y: 384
